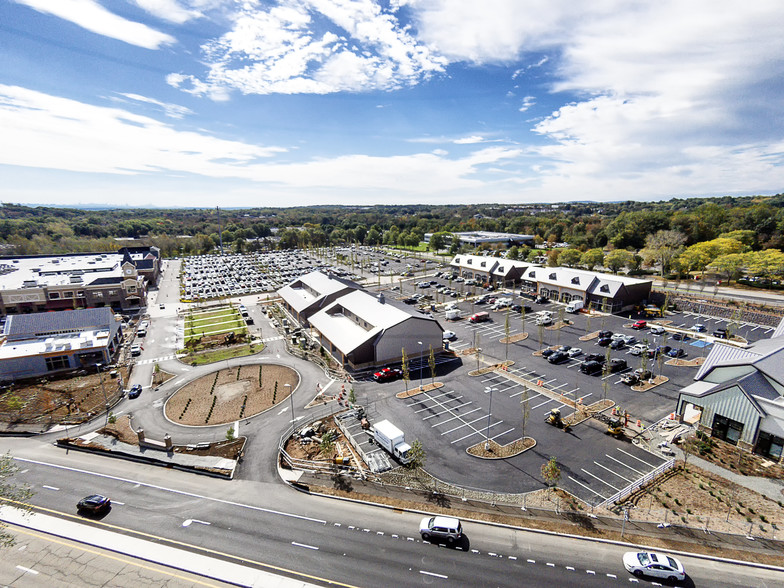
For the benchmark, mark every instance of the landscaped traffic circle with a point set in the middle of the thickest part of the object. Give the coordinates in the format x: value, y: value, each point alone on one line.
x: 231, y: 394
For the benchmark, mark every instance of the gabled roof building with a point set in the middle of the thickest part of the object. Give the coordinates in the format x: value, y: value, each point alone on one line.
x: 739, y: 395
x: 358, y: 329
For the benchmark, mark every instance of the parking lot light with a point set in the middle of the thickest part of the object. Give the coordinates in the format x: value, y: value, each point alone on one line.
x: 489, y: 390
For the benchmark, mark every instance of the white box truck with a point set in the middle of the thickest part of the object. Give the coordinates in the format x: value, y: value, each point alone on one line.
x: 574, y: 306
x: 392, y: 439
x: 452, y: 314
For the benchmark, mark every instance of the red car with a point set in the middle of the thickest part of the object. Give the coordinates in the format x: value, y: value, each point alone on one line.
x: 387, y: 374
x: 640, y: 325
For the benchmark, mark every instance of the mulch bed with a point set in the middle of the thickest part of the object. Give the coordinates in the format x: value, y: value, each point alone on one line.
x: 418, y: 390
x: 231, y: 394
x: 647, y: 385
x: 496, y: 451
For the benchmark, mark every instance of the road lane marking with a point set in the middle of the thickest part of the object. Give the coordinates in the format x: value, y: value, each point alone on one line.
x: 305, y: 546
x: 27, y: 570
x: 173, y: 491
x: 433, y: 574
x: 50, y: 487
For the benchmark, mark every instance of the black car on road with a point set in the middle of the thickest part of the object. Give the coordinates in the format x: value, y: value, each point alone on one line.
x: 94, y: 503
x: 135, y: 391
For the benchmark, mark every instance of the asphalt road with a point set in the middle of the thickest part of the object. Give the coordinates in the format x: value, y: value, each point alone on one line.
x: 269, y: 524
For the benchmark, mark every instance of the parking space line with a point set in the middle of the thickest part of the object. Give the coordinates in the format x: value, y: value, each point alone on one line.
x: 476, y: 431
x: 624, y: 464
x: 614, y: 473
x: 559, y: 387
x: 447, y: 410
x: 464, y: 424
x: 550, y: 381
x: 542, y: 404
x: 494, y: 437
x: 637, y: 458
x: 453, y: 417
x: 600, y: 480
x: 536, y: 394
x: 587, y: 487
x: 570, y: 392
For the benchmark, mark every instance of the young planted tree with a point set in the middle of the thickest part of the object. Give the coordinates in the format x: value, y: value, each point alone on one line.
x: 551, y: 473
x: 404, y: 368
x: 418, y: 456
x: 526, y: 409
x: 327, y: 445
x: 506, y: 333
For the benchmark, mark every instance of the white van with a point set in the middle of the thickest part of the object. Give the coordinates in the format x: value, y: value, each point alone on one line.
x: 447, y: 528
x: 657, y: 330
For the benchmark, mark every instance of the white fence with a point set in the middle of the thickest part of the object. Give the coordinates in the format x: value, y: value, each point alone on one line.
x: 637, y: 484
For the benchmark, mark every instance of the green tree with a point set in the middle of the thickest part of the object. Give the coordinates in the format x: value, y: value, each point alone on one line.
x: 551, y: 473
x: 417, y: 456
x: 327, y: 445
x: 730, y: 266
x: 404, y: 368
x: 570, y: 257
x: 230, y: 434
x: 431, y: 360
x: 617, y: 259
x: 525, y: 407
x: 592, y: 258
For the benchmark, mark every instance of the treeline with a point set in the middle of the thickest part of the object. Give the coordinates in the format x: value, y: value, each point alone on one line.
x: 584, y: 226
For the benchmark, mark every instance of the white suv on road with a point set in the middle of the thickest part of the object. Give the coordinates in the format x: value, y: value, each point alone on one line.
x: 448, y: 528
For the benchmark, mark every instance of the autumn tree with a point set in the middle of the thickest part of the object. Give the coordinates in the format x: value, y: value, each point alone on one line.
x: 662, y: 247
x: 617, y: 259
x: 551, y: 473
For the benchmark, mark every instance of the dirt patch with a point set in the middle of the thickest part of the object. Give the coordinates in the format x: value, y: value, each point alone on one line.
x: 230, y: 394
x: 514, y: 338
x: 692, y: 496
x: 729, y: 457
x: 496, y: 451
x: 648, y: 384
x: 67, y: 399
x: 696, y: 362
x: 310, y: 447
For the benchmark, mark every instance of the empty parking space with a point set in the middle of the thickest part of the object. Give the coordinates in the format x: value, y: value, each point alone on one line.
x: 458, y: 419
x: 611, y: 472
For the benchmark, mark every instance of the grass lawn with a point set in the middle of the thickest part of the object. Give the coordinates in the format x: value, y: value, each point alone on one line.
x: 216, y: 322
x: 205, y: 357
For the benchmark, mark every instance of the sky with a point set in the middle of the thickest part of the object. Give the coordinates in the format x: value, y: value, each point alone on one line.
x: 256, y: 103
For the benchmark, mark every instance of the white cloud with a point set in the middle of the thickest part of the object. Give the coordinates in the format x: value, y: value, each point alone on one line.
x: 171, y: 110
x: 528, y: 102
x: 90, y: 15
x: 170, y: 10
x: 49, y: 132
x: 314, y: 46
x: 469, y: 140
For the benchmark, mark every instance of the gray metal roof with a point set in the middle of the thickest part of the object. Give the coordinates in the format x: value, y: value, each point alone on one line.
x: 23, y: 326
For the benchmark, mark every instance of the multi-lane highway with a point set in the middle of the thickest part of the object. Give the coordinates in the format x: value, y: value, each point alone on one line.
x: 268, y: 524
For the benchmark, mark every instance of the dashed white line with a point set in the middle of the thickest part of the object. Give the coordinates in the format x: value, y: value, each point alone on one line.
x: 305, y: 546
x: 27, y: 570
x: 612, y: 576
x: 50, y: 488
x: 590, y: 572
x: 531, y: 561
x: 433, y: 574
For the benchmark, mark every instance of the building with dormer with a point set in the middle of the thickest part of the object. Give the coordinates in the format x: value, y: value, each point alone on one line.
x: 41, y: 283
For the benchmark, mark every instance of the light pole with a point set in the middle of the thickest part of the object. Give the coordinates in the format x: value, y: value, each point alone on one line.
x: 291, y: 400
x: 421, y: 350
x: 489, y: 409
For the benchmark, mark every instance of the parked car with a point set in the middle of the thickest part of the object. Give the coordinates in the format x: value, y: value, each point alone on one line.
x: 547, y: 353
x: 136, y: 349
x: 574, y: 352
x: 564, y: 348
x: 638, y: 349
x: 605, y: 334
x: 135, y: 391
x: 387, y: 374
x: 449, y: 335
x: 542, y: 300
x: 640, y: 325
x: 604, y: 341
x: 94, y: 503
x: 679, y: 336
x: 617, y: 343
x: 558, y: 357
x: 516, y: 308
x: 677, y: 353
x: 590, y: 367
x: 720, y: 333
x: 597, y: 357
x: 527, y: 309
x: 699, y: 328
x: 617, y: 365
x: 657, y: 565
x: 657, y: 330
x: 663, y: 349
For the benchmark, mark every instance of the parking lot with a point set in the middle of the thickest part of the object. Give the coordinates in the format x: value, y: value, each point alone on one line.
x: 594, y: 464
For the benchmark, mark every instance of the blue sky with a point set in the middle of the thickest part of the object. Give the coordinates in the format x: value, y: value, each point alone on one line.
x: 295, y: 102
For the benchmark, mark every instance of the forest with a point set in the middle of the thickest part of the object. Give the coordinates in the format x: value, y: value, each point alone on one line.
x: 679, y: 235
